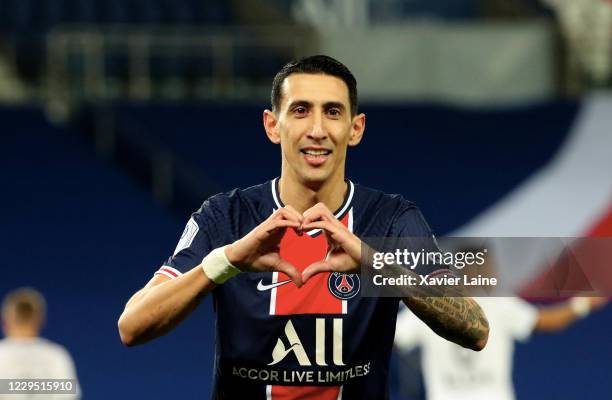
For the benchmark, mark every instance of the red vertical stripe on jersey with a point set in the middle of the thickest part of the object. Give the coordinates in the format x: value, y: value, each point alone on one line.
x: 314, y: 297
x: 305, y: 392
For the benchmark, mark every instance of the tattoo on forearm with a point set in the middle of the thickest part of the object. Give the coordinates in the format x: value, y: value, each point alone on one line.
x: 447, y: 311
x: 457, y: 319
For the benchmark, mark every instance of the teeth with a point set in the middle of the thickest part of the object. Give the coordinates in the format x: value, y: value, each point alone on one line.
x: 316, y: 152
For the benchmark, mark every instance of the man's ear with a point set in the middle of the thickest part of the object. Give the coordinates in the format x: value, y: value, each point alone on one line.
x: 270, y: 122
x: 357, y: 128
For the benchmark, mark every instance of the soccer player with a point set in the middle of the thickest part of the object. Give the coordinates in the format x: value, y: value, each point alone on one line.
x: 281, y: 261
x: 23, y: 353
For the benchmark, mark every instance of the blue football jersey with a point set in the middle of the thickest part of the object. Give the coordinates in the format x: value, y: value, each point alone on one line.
x: 275, y: 341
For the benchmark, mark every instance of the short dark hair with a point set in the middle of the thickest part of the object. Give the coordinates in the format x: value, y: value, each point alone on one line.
x: 28, y: 305
x: 317, y: 64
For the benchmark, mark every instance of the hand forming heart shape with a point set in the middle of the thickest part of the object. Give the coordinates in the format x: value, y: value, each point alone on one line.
x: 259, y: 250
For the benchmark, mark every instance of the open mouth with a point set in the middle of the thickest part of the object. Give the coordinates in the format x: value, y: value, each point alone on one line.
x: 315, y: 156
x: 316, y: 152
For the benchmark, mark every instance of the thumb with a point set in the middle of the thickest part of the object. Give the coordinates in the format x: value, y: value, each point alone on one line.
x: 315, y: 268
x: 291, y: 271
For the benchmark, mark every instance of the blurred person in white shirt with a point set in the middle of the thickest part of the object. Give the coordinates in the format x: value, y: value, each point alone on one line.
x: 26, y: 355
x: 450, y: 373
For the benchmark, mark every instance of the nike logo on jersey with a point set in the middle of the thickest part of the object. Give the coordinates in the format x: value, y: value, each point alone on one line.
x: 262, y: 288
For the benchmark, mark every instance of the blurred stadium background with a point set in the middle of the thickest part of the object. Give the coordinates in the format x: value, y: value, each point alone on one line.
x: 119, y: 117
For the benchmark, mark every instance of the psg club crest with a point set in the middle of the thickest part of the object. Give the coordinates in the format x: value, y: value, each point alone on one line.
x: 343, y: 286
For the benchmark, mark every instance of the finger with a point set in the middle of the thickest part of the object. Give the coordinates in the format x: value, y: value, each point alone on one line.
x: 293, y: 212
x: 281, y: 223
x: 322, y: 208
x: 315, y: 268
x: 285, y: 214
x: 332, y: 244
x: 330, y: 232
x: 296, y: 216
x: 325, y: 225
x: 318, y: 212
x: 291, y: 271
x: 314, y: 215
x: 338, y: 236
x: 326, y: 213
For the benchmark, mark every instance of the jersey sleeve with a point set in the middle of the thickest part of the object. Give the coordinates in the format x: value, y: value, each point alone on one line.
x: 521, y: 318
x: 413, y: 231
x: 201, y: 235
x: 408, y: 331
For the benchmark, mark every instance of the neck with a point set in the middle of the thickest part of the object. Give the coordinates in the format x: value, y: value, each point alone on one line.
x: 21, y: 332
x: 302, y: 195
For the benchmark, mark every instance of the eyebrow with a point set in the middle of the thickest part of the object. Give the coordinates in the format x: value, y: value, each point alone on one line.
x: 297, y: 103
x: 334, y: 104
x: 308, y: 104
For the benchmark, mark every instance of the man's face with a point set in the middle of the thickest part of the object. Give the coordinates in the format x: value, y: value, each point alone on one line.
x: 314, y: 126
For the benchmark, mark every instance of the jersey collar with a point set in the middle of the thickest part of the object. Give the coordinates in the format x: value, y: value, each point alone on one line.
x: 339, y: 213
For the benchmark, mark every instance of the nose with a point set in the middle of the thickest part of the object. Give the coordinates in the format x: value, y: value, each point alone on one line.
x: 317, y: 131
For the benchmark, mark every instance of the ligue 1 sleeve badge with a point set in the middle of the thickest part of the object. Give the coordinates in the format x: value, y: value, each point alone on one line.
x: 343, y: 286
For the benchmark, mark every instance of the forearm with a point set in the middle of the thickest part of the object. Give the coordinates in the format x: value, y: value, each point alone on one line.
x: 558, y: 317
x: 155, y: 310
x: 446, y: 310
x: 458, y: 319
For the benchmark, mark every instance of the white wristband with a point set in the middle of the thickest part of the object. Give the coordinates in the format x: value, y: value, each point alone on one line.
x: 217, y: 267
x: 580, y: 306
